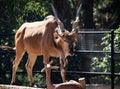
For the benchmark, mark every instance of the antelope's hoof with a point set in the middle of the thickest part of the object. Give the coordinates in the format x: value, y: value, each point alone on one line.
x: 12, y: 83
x: 32, y: 85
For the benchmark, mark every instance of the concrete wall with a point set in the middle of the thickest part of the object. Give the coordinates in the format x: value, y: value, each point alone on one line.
x: 100, y: 86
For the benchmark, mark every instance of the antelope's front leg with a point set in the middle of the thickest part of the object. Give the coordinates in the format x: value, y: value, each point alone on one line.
x: 63, y: 63
x: 46, y: 62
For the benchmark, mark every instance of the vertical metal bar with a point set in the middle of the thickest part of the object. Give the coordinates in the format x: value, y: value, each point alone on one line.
x: 112, y: 59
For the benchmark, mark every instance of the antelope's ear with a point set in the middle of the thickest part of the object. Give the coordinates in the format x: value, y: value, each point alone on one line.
x: 56, y: 35
x: 73, y: 34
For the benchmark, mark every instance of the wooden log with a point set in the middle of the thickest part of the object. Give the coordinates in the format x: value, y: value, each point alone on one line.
x: 72, y: 84
x: 82, y: 82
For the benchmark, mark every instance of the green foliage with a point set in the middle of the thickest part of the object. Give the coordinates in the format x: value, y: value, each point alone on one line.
x: 107, y: 40
x: 100, y: 65
x: 16, y: 12
x: 103, y: 64
x: 40, y: 80
x: 33, y: 11
x: 106, y: 13
x: 106, y: 43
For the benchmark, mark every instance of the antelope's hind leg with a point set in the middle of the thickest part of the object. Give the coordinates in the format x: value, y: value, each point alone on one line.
x: 29, y: 66
x: 19, y: 54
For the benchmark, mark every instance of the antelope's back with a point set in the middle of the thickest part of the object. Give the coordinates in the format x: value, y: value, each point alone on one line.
x: 36, y: 36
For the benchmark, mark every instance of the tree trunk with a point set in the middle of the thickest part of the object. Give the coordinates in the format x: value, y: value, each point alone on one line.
x: 64, y: 11
x: 88, y: 38
x: 88, y: 14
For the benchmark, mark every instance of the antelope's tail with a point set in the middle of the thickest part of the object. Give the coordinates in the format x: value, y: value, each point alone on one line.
x: 7, y: 48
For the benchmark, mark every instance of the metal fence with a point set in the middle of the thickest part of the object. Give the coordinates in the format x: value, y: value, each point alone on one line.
x: 112, y: 52
x: 112, y: 73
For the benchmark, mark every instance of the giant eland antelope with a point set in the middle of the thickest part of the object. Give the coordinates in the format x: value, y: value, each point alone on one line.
x: 47, y: 38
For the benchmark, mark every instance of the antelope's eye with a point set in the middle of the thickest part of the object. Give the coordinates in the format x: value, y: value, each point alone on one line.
x: 63, y: 35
